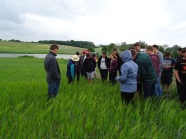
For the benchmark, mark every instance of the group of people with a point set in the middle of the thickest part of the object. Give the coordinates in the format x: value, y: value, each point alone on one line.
x: 141, y: 71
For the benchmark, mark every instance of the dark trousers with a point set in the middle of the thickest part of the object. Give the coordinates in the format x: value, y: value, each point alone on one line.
x: 149, y: 88
x: 178, y: 86
x: 104, y: 74
x: 78, y: 75
x: 182, y: 92
x: 112, y: 76
x: 69, y: 80
x: 139, y: 89
x: 83, y: 72
x: 127, y: 97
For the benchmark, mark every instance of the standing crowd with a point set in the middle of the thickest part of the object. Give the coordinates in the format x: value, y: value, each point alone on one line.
x: 147, y: 72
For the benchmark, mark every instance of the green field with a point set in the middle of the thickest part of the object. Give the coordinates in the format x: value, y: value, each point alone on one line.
x: 81, y: 110
x: 36, y: 48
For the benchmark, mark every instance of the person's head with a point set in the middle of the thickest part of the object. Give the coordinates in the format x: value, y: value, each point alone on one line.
x: 88, y: 56
x: 114, y: 51
x: 149, y: 50
x: 77, y: 53
x: 94, y: 55
x: 167, y: 54
x: 83, y: 53
x: 184, y: 52
x: 155, y: 48
x: 112, y: 56
x: 132, y: 47
x: 75, y: 58
x: 137, y: 46
x: 134, y: 53
x: 179, y: 51
x: 103, y: 54
x: 54, y: 48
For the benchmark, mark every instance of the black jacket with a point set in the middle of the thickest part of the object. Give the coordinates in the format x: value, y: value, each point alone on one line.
x: 107, y: 62
x: 52, y: 68
x: 89, y: 64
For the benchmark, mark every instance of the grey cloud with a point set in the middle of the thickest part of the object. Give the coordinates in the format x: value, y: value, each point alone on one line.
x: 64, y: 9
x: 12, y: 12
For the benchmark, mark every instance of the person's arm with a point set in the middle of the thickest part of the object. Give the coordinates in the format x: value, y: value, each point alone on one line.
x: 177, y: 76
x: 53, y: 69
x: 94, y: 63
x: 99, y: 61
x: 124, y: 73
x: 72, y: 71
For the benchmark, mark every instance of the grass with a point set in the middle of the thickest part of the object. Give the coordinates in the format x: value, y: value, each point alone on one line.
x: 36, y: 48
x: 81, y: 110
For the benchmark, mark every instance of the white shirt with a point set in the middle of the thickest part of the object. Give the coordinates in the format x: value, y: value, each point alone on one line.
x: 102, y: 64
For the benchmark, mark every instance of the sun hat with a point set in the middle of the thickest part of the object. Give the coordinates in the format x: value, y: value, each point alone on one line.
x: 75, y: 58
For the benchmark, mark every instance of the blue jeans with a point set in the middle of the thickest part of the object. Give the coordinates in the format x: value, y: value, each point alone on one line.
x: 158, y: 87
x: 53, y: 88
x: 149, y: 88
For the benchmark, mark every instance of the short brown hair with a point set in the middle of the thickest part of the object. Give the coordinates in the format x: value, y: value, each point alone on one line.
x: 87, y: 55
x: 149, y: 48
x: 54, y: 46
x: 137, y: 44
x: 115, y: 57
x: 167, y: 53
x: 184, y: 50
x: 155, y: 46
x: 133, y: 51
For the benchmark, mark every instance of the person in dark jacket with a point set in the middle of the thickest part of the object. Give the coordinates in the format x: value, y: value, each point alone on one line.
x: 113, y: 68
x: 147, y: 74
x: 156, y: 63
x: 103, y: 66
x: 53, y: 72
x: 180, y: 54
x: 89, y: 65
x: 71, y: 68
x: 180, y: 74
x: 78, y: 67
x: 180, y: 57
x: 81, y: 60
x: 119, y: 59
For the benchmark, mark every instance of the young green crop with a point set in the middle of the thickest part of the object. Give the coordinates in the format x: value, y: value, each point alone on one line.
x: 81, y: 110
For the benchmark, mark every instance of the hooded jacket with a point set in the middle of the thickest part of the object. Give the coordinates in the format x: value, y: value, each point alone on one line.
x: 70, y: 69
x: 129, y: 71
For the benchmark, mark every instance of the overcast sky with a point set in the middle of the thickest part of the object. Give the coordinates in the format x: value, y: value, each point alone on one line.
x: 100, y: 21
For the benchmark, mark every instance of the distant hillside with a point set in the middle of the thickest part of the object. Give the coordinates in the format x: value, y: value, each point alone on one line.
x: 36, y: 48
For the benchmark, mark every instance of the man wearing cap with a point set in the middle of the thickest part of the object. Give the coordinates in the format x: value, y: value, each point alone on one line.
x: 53, y: 72
x: 71, y: 68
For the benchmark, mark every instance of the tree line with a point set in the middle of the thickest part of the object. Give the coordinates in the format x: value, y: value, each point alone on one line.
x: 82, y: 44
x: 106, y: 48
x: 124, y: 46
